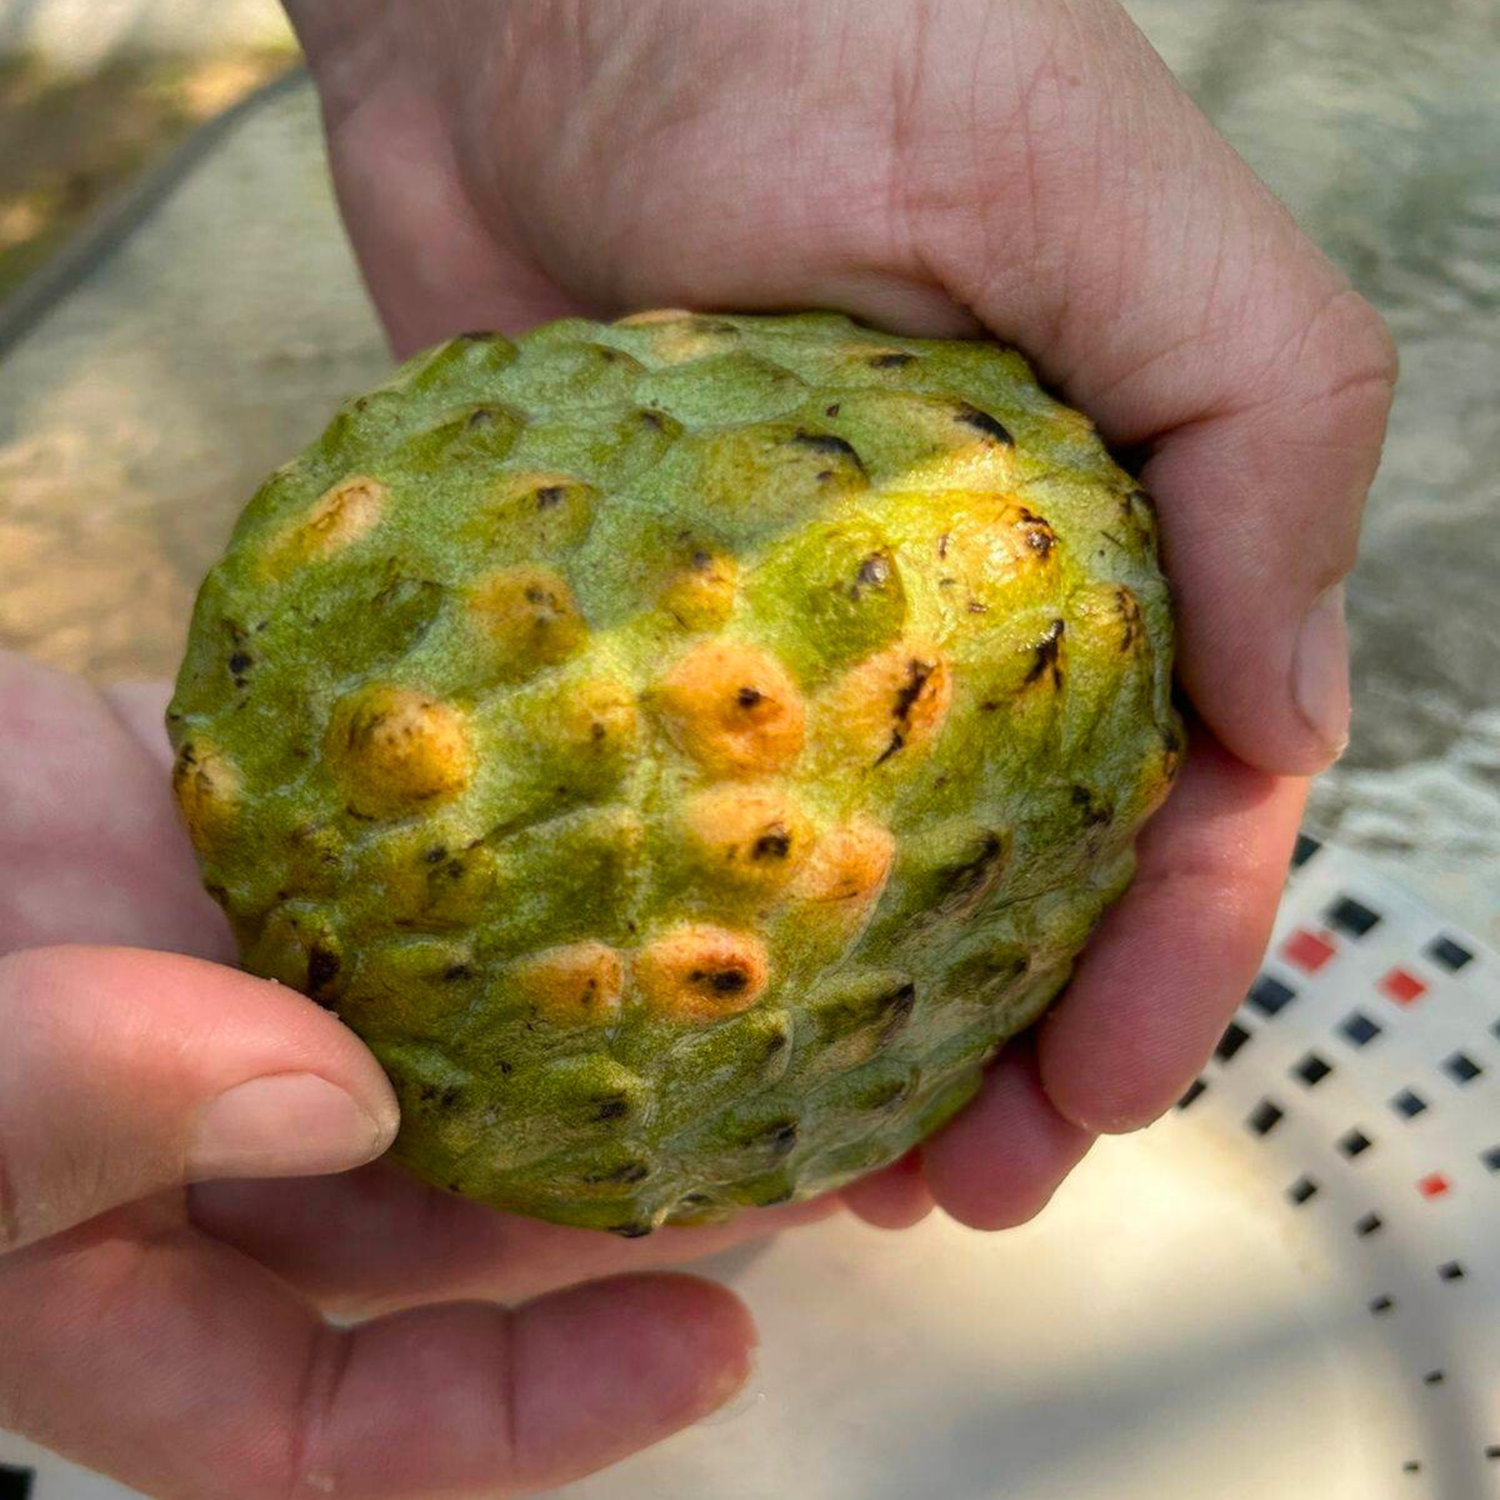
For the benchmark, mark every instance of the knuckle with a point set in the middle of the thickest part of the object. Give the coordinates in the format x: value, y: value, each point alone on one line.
x: 1355, y: 362
x: 308, y: 1468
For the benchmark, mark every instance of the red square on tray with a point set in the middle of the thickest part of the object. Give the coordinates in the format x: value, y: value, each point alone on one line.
x: 1402, y: 987
x: 1433, y: 1185
x: 1309, y: 951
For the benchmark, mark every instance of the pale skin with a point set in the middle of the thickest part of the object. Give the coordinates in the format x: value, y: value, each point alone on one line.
x: 1022, y: 167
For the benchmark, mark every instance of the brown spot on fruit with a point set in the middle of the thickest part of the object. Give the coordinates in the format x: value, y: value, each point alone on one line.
x: 1047, y: 656
x: 533, y: 514
x: 769, y: 477
x: 984, y: 424
x: 530, y: 618
x: 994, y: 546
x: 628, y: 1172
x: 827, y: 444
x: 890, y: 359
x: 891, y: 702
x: 394, y: 750
x: 962, y: 887
x: 1032, y: 531
x: 208, y: 792
x: 1172, y: 747
x: 1140, y: 509
x: 1128, y: 608
x: 323, y: 967
x: 848, y: 866
x: 733, y: 709
x: 1094, y: 810
x: 751, y: 836
x: 578, y: 984
x: 697, y: 972
x: 339, y: 517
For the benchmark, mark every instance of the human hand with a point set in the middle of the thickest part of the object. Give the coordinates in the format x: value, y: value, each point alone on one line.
x: 942, y: 167
x: 175, y: 1338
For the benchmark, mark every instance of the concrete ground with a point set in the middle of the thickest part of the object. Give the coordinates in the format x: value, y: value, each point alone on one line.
x: 91, y: 96
x: 140, y: 412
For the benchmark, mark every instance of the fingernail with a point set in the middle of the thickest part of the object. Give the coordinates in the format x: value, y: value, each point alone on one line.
x: 739, y: 1391
x: 284, y: 1125
x: 1320, y: 671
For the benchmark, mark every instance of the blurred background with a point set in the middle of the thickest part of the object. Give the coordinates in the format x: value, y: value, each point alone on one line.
x: 179, y: 313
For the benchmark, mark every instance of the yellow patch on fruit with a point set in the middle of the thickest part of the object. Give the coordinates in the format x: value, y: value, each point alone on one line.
x: 530, y: 619
x: 696, y: 972
x: 208, y: 792
x: 678, y: 335
x: 654, y: 317
x: 848, y: 867
x: 394, y: 750
x: 339, y: 517
x: 733, y: 709
x: 750, y: 836
x: 578, y: 984
x: 890, y: 705
x: 990, y: 547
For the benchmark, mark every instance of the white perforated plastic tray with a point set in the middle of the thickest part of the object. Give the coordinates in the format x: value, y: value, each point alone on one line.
x: 1289, y: 1288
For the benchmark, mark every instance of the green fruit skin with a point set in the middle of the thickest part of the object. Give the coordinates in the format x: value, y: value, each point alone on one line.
x: 429, y: 740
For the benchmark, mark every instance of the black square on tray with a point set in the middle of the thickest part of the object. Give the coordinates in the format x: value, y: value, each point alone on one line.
x: 1194, y: 1091
x: 1358, y: 1029
x: 1370, y: 1224
x: 1351, y: 917
x: 1462, y: 1068
x: 1355, y: 1143
x: 1301, y: 1190
x: 1408, y: 1104
x: 1307, y: 846
x: 1269, y: 995
x: 15, y: 1484
x: 1451, y: 1270
x: 1491, y: 1158
x: 1312, y: 1070
x: 1449, y: 953
x: 1265, y: 1117
x: 1235, y: 1036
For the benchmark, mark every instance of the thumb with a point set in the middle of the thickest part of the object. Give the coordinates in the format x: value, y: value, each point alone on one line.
x: 126, y: 1073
